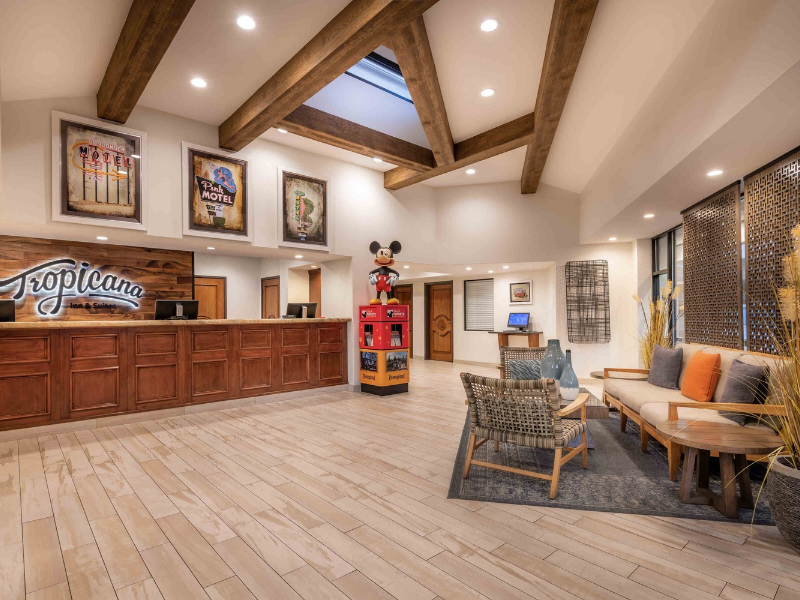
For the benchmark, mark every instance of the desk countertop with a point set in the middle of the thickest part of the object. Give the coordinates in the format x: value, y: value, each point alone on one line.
x: 516, y: 332
x: 54, y: 324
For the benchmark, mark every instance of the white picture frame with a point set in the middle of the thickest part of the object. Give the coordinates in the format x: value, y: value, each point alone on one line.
x: 520, y: 284
x: 56, y: 200
x: 185, y: 191
x: 329, y: 219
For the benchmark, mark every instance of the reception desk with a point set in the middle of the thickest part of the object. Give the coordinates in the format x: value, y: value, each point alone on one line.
x: 59, y: 371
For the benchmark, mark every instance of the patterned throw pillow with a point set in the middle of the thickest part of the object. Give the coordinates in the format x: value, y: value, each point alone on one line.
x: 525, y: 369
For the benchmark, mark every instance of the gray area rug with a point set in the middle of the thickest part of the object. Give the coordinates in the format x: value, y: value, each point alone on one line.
x: 620, y: 478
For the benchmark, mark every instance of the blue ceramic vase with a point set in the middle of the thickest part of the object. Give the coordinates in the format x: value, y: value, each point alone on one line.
x: 569, y: 381
x: 553, y: 361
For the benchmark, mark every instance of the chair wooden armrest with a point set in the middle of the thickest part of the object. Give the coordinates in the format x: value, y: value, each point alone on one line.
x: 579, y: 402
x: 747, y: 409
x: 607, y: 371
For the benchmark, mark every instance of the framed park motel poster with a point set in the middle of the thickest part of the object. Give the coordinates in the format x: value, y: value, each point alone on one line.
x: 215, y: 194
x: 303, y: 217
x: 98, y: 172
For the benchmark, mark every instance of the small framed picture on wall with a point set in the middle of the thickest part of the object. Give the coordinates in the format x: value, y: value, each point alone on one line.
x: 215, y: 194
x: 520, y: 293
x: 98, y: 172
x: 303, y: 212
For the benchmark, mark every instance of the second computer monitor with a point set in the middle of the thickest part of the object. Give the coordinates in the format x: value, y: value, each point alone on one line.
x: 295, y: 309
x: 519, y: 320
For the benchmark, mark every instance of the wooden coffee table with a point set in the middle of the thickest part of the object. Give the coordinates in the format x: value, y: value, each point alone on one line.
x: 733, y: 443
x: 595, y: 408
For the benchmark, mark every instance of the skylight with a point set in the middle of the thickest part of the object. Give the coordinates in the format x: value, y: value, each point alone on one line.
x: 381, y: 73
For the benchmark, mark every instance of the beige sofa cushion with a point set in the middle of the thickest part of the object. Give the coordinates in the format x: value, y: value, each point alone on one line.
x: 636, y: 394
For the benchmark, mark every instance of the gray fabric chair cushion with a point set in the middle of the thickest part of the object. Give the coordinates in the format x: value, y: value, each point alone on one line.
x: 635, y: 394
x: 524, y: 369
x: 666, y: 367
x: 746, y: 384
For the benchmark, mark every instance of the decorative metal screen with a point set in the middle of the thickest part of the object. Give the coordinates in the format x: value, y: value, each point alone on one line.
x: 712, y: 270
x: 772, y: 208
x: 588, y: 308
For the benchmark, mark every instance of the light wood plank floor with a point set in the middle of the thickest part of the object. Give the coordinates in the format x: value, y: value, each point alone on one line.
x: 334, y: 496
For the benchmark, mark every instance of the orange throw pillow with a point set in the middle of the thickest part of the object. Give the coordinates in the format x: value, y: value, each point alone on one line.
x: 700, y: 379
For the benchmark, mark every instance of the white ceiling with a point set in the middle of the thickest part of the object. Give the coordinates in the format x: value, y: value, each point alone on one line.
x: 58, y: 48
x: 419, y: 271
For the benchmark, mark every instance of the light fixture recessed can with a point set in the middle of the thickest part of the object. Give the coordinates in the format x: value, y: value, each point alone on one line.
x: 487, y: 92
x: 649, y: 216
x: 714, y: 172
x: 298, y: 256
x: 198, y: 82
x: 491, y: 271
x: 612, y: 239
x: 102, y: 238
x: 376, y: 159
x: 282, y: 130
x: 470, y: 171
x: 489, y: 25
x: 405, y: 266
x: 246, y: 22
x: 469, y: 268
x: 211, y: 248
x: 505, y: 266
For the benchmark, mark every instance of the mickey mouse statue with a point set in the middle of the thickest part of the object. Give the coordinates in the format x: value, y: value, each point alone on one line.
x: 384, y: 278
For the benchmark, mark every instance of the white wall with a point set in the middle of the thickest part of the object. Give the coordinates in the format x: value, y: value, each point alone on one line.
x: 243, y: 282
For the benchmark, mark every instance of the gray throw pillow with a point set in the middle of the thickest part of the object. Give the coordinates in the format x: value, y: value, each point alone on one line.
x: 524, y: 369
x: 747, y: 384
x: 665, y: 368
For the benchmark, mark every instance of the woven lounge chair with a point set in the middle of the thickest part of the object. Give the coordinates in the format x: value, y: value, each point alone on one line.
x: 526, y: 413
x: 508, y: 353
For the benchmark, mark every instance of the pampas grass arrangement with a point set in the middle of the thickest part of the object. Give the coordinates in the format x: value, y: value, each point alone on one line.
x: 658, y: 323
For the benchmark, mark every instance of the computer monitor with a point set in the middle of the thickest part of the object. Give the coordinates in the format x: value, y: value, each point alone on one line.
x: 7, y: 311
x: 295, y: 309
x: 176, y: 310
x: 519, y: 320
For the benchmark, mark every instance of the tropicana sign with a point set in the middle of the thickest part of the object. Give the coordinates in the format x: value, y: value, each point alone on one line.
x: 63, y: 278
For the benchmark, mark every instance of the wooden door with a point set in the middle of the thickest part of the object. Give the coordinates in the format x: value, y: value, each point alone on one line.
x: 210, y: 291
x: 405, y: 294
x: 440, y: 321
x: 271, y: 298
x: 315, y: 289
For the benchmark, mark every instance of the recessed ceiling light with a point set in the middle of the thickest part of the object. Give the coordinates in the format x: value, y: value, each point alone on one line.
x: 197, y: 82
x: 714, y: 172
x: 405, y: 266
x: 298, y: 256
x: 211, y: 248
x: 612, y: 239
x: 489, y: 25
x: 102, y: 238
x: 246, y: 22
x: 470, y: 171
x: 282, y: 130
x: 491, y: 271
x: 469, y: 268
x: 376, y: 159
x: 649, y: 216
x: 313, y: 267
x: 135, y: 156
x: 505, y: 266
x: 487, y: 92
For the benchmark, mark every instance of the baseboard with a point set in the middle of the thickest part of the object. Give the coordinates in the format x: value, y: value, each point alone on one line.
x: 476, y: 363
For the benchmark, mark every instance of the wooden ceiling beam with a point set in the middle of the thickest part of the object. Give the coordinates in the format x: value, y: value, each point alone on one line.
x: 511, y: 135
x: 148, y: 31
x: 413, y: 51
x: 569, y: 29
x: 357, y: 30
x: 335, y: 131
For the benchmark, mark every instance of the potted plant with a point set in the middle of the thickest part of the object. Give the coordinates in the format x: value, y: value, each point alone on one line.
x: 783, y: 480
x: 657, y: 330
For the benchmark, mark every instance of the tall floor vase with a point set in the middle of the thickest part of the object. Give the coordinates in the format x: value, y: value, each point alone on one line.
x: 553, y: 361
x: 568, y: 384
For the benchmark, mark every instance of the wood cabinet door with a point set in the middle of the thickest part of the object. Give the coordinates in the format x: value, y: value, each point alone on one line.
x: 271, y: 298
x: 405, y: 294
x: 210, y: 291
x: 440, y: 321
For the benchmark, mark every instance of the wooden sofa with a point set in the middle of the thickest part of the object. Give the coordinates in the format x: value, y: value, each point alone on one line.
x: 646, y: 405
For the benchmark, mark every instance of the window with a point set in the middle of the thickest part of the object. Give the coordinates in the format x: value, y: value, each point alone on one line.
x: 479, y: 305
x: 668, y: 266
x: 381, y: 73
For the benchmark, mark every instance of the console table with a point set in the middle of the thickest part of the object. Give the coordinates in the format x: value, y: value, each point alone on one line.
x: 502, y: 337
